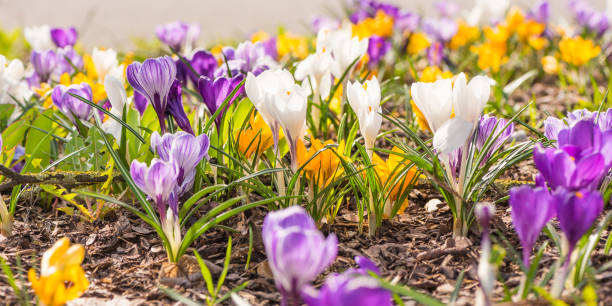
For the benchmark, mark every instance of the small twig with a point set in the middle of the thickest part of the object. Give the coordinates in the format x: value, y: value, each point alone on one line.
x: 67, y: 179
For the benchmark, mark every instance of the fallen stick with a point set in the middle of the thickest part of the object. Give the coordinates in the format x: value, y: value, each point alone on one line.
x: 66, y: 179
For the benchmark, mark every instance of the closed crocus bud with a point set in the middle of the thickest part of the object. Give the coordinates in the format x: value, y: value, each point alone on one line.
x: 184, y: 150
x: 434, y: 100
x: 289, y: 110
x: 297, y: 251
x: 44, y: 63
x: 118, y: 100
x: 353, y: 287
x: 173, y: 34
x: 39, y: 37
x: 576, y: 212
x: 532, y: 208
x: 261, y: 88
x: 175, y: 107
x: 153, y: 79
x: 69, y: 105
x: 64, y: 37
x: 365, y: 102
x: 214, y: 92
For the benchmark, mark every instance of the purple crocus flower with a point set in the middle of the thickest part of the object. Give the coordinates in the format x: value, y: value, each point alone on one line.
x: 441, y: 29
x: 435, y: 54
x: 185, y: 151
x: 586, y: 138
x: 204, y: 64
x: 69, y: 105
x: 582, y: 11
x: 407, y: 21
x: 66, y: 58
x: 540, y: 12
x: 175, y: 107
x: 44, y: 63
x: 297, y: 251
x: 173, y: 34
x: 249, y: 57
x: 353, y: 287
x: 63, y: 37
x: 599, y: 22
x: 389, y: 9
x: 491, y: 127
x: 532, y: 208
x: 158, y: 181
x: 604, y: 120
x: 214, y: 92
x: 17, y: 162
x: 446, y: 8
x: 377, y: 49
x: 140, y: 102
x: 153, y: 79
x: 576, y: 212
x: 359, y: 16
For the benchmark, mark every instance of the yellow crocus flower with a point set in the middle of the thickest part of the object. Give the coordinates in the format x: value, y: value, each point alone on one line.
x: 381, y: 25
x: 260, y: 36
x: 578, y: 51
x: 388, y: 172
x: 550, y: 64
x: 417, y: 43
x: 292, y: 45
x: 465, y: 34
x: 60, y: 264
x: 514, y: 18
x: 323, y: 168
x: 257, y: 138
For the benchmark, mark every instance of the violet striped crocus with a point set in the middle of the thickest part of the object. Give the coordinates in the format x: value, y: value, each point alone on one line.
x: 353, y: 287
x: 492, y: 128
x: 214, y: 92
x: 185, y: 151
x: 173, y: 34
x: 154, y: 79
x: 71, y: 106
x: 297, y: 251
x: 532, y: 208
x: 175, y: 107
x: 159, y: 182
x: 576, y: 212
x: 67, y: 59
x: 44, y: 62
x: 63, y: 37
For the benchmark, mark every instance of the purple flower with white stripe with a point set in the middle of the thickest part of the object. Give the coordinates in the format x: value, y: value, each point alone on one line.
x: 297, y: 251
x: 64, y: 37
x: 44, y: 63
x: 154, y: 79
x: 159, y: 182
x: 354, y: 287
x: 71, y: 106
x: 532, y: 208
x: 214, y: 92
x: 66, y: 59
x: 185, y: 151
x: 250, y: 57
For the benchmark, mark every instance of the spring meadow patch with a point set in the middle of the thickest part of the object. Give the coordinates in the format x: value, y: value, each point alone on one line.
x: 388, y: 157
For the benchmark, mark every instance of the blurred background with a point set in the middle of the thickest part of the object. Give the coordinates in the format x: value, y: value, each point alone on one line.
x: 116, y: 23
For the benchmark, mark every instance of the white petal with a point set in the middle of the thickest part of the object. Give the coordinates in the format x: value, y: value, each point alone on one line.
x: 116, y: 93
x: 452, y: 135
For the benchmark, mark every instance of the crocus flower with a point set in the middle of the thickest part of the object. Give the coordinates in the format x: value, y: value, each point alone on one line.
x: 175, y: 107
x: 67, y: 59
x: 406, y: 21
x: 344, y: 47
x: 39, y: 37
x: 185, y: 151
x: 12, y: 83
x: 377, y: 49
x: 250, y: 57
x: 365, y: 102
x: 202, y: 62
x: 540, y: 12
x: 172, y: 34
x: 441, y: 29
x: 437, y: 100
x: 484, y: 213
x: 69, y: 105
x: 63, y: 37
x: 492, y: 128
x: 435, y: 54
x: 353, y: 287
x: 214, y: 92
x: 154, y: 79
x: 320, y: 22
x: 105, y: 62
x: 60, y: 264
x: 446, y: 8
x: 118, y: 99
x: 158, y: 181
x: 532, y: 208
x: 318, y: 68
x: 44, y: 63
x: 261, y: 88
x: 576, y: 212
x: 297, y: 251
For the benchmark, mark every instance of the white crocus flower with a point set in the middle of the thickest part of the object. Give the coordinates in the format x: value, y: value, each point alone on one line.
x: 365, y: 102
x: 105, y: 62
x: 346, y: 49
x: 487, y: 11
x: 260, y: 90
x: 39, y: 37
x: 434, y: 100
x: 118, y: 99
x: 318, y: 68
x: 12, y: 84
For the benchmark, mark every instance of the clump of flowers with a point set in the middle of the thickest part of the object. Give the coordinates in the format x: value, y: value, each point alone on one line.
x: 60, y: 265
x: 578, y: 51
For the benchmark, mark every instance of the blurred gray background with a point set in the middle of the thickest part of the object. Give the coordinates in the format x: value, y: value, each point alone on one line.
x: 115, y: 23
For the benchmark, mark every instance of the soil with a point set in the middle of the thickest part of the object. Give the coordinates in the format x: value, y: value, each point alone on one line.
x: 124, y: 256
